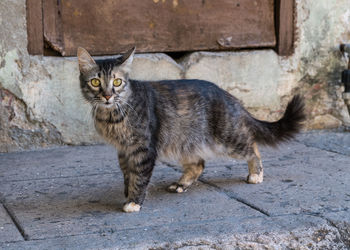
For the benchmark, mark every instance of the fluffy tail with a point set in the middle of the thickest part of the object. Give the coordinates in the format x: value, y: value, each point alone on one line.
x: 272, y: 133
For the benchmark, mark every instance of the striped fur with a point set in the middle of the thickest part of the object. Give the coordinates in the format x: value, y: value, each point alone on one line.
x: 187, y: 121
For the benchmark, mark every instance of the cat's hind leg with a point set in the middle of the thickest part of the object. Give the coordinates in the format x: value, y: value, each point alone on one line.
x: 192, y: 170
x: 255, y: 167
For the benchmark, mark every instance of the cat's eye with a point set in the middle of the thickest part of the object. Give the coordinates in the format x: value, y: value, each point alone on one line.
x: 95, y: 82
x: 117, y: 82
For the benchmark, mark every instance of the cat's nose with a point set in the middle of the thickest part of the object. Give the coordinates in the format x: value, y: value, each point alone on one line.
x: 107, y: 97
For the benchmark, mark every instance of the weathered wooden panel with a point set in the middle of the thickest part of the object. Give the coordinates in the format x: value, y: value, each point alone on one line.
x: 109, y: 27
x: 53, y: 34
x: 285, y: 26
x: 35, y: 27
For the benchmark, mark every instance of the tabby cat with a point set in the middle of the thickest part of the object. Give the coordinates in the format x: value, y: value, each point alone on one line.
x: 184, y: 120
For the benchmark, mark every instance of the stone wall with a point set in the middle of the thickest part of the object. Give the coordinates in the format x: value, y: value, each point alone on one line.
x: 41, y: 104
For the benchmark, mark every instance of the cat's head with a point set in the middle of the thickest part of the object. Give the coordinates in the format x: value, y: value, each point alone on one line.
x: 105, y: 82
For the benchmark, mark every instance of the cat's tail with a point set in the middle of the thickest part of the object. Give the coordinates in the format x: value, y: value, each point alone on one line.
x: 273, y: 133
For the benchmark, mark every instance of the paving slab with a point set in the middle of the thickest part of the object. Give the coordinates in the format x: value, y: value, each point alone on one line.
x: 298, y: 179
x: 334, y: 141
x: 91, y: 204
x: 71, y: 197
x: 285, y: 232
x: 58, y: 163
x: 8, y: 230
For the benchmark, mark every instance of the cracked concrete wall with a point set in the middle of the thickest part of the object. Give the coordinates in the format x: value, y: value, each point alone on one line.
x: 41, y: 104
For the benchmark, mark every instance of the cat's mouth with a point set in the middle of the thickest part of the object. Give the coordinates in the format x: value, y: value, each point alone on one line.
x: 106, y: 104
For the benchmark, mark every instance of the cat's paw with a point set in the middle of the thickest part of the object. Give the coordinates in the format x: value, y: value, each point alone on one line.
x: 131, y: 207
x: 176, y: 188
x: 255, y: 178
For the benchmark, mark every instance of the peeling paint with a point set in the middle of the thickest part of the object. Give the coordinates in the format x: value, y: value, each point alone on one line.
x: 175, y: 3
x: 10, y: 75
x: 77, y: 13
x: 18, y: 131
x: 151, y: 25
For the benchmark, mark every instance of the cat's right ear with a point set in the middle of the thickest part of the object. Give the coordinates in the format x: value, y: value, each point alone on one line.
x: 86, y: 63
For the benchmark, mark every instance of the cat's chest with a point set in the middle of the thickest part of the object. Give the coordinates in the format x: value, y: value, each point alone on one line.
x: 113, y: 127
x: 112, y: 132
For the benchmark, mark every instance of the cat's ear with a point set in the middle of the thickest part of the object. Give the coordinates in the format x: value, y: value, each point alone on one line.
x: 127, y: 59
x: 86, y: 63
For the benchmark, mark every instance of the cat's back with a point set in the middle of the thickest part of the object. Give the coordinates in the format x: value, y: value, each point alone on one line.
x: 190, y: 86
x: 185, y: 91
x: 189, y: 97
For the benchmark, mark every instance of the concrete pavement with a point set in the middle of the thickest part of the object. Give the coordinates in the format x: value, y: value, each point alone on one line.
x: 71, y: 197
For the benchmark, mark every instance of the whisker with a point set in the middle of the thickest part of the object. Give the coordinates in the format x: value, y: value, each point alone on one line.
x: 125, y: 102
x: 126, y: 118
x: 132, y: 109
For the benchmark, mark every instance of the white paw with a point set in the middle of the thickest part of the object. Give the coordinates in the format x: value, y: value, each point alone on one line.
x: 131, y: 207
x: 255, y: 178
x: 176, y: 188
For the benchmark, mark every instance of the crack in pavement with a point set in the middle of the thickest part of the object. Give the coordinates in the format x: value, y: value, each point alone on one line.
x: 234, y: 196
x: 319, y: 148
x: 15, y: 221
x: 227, y: 193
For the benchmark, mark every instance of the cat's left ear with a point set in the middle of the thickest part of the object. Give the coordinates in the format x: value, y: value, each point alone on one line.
x: 127, y: 59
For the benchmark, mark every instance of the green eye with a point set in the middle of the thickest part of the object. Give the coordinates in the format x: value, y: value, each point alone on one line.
x: 95, y: 82
x: 117, y: 82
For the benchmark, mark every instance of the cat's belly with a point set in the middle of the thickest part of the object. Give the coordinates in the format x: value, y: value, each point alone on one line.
x: 174, y: 152
x: 174, y: 149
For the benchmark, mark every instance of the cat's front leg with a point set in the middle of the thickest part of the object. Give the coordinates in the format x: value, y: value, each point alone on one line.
x: 123, y: 164
x: 141, y: 163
